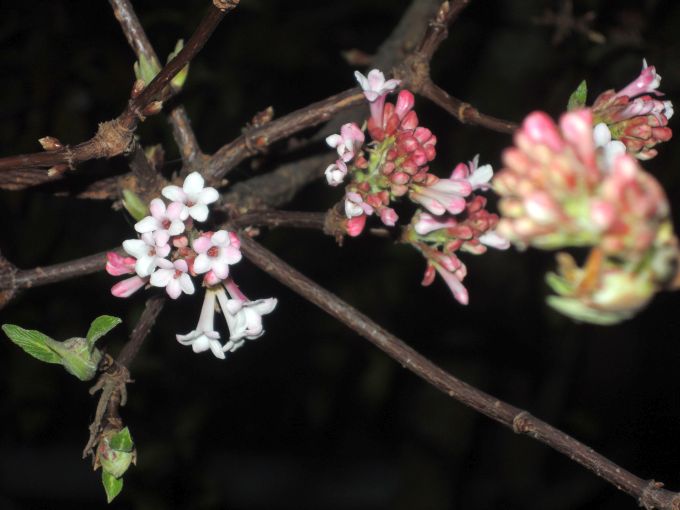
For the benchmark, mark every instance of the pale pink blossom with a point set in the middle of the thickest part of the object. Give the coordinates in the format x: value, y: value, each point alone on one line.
x: 216, y: 252
x: 163, y: 222
x: 442, y: 196
x: 244, y: 317
x: 194, y: 195
x: 125, y: 288
x: 205, y: 337
x: 336, y: 173
x: 147, y: 253
x: 347, y: 142
x: 174, y: 277
x: 375, y: 89
x: 494, y: 240
x: 479, y: 177
x: 426, y: 223
x: 388, y: 216
x: 454, y: 283
x: 355, y: 205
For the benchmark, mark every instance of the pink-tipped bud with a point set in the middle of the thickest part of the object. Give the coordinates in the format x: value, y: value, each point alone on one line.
x: 388, y: 216
x: 356, y: 225
x: 405, y: 102
x: 117, y: 265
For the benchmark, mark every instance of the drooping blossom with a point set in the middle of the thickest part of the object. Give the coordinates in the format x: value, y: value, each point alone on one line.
x: 336, y: 172
x: 216, y: 252
x: 163, y: 222
x: 347, y: 142
x: 174, y: 277
x: 205, y: 337
x: 147, y: 253
x: 375, y: 89
x: 194, y: 195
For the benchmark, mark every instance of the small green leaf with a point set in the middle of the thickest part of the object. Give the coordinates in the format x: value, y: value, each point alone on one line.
x: 178, y: 81
x: 112, y: 485
x: 100, y: 326
x: 122, y: 441
x: 33, y: 342
x: 134, y: 205
x: 578, y: 97
x: 146, y: 70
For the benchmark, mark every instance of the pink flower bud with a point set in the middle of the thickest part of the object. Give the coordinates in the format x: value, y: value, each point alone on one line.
x: 388, y: 216
x: 356, y: 225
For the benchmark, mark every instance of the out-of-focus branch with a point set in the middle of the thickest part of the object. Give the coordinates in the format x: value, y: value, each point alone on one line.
x: 136, y: 36
x: 115, y: 137
x: 649, y: 494
x: 438, y: 28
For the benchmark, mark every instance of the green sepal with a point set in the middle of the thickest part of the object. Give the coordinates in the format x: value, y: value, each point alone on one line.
x: 112, y: 485
x: 122, y: 441
x: 33, y: 342
x: 146, y: 70
x: 578, y: 97
x: 178, y: 81
x: 100, y: 326
x: 134, y: 205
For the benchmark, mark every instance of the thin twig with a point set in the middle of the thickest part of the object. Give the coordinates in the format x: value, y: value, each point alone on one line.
x: 649, y: 494
x: 437, y: 30
x: 154, y: 306
x: 136, y: 36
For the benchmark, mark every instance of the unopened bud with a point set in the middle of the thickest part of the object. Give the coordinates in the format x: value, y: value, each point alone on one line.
x: 57, y: 170
x: 137, y: 88
x: 152, y: 108
x: 49, y: 143
x: 79, y: 357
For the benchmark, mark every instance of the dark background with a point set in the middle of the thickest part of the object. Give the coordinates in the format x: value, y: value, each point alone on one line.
x: 312, y: 416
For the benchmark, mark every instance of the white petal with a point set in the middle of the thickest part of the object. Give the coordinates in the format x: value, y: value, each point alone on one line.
x: 136, y: 247
x: 601, y: 135
x: 145, y: 265
x: 173, y: 289
x: 216, y: 349
x: 208, y: 196
x: 264, y: 306
x: 193, y: 184
x: 148, y: 224
x: 202, y: 263
x: 157, y: 208
x: 176, y: 227
x: 161, y: 278
x: 188, y: 338
x: 186, y: 284
x: 199, y: 212
x: 174, y: 193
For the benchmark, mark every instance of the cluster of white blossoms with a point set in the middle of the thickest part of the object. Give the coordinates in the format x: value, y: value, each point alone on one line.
x: 171, y: 250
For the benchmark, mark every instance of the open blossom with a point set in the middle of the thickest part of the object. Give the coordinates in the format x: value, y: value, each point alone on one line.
x: 163, y: 222
x: 244, y: 317
x: 347, y: 142
x: 479, y: 177
x: 205, y: 337
x: 355, y: 205
x: 336, y: 173
x: 216, y: 252
x: 174, y: 277
x: 194, y: 195
x: 375, y: 89
x: 147, y: 253
x: 648, y: 81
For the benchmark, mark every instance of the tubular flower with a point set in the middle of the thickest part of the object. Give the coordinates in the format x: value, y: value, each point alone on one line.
x: 560, y: 188
x: 635, y: 115
x: 347, y: 142
x: 205, y: 337
x: 375, y: 89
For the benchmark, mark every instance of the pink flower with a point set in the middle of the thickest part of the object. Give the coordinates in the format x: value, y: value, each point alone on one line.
x: 479, y: 177
x: 147, y: 253
x: 442, y: 196
x: 117, y: 265
x: 356, y: 225
x: 163, y: 223
x: 376, y: 89
x: 194, y: 195
x: 216, y: 252
x: 648, y: 81
x: 347, y: 142
x: 388, y: 216
x: 174, y: 277
x: 336, y: 172
x: 426, y: 223
x: 129, y: 286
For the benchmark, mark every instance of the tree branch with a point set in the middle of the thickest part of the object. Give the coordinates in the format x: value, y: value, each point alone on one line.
x: 136, y: 36
x: 648, y: 493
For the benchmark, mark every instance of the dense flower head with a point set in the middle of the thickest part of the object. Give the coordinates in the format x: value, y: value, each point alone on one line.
x: 564, y: 186
x: 635, y: 115
x: 170, y: 251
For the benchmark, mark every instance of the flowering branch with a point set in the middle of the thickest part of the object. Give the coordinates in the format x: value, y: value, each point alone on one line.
x: 650, y: 494
x: 138, y: 40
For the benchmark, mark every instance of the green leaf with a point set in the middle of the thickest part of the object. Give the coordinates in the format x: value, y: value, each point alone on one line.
x: 578, y: 97
x: 112, y: 485
x: 122, y: 441
x: 134, y: 205
x: 33, y: 342
x: 100, y: 326
x: 580, y: 312
x: 178, y: 81
x: 146, y: 70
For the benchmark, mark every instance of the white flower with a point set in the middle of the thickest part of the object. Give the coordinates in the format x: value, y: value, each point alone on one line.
x: 244, y: 318
x: 205, y: 337
x: 336, y: 172
x: 355, y: 205
x: 494, y: 240
x: 374, y: 85
x: 611, y: 149
x: 147, y: 253
x: 174, y: 277
x: 163, y: 222
x: 347, y: 142
x: 216, y: 252
x: 194, y: 195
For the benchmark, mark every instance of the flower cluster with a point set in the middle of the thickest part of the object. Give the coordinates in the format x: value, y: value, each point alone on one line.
x: 633, y: 119
x: 171, y: 250
x: 396, y: 164
x: 560, y: 189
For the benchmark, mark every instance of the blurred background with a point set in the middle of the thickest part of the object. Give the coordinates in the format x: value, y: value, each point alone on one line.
x: 311, y: 416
